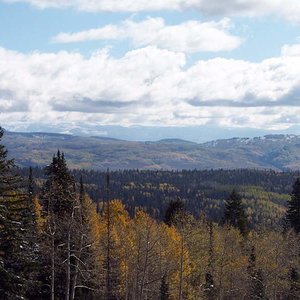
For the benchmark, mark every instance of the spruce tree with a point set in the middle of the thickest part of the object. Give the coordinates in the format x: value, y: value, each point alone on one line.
x: 175, y: 207
x: 59, y: 190
x: 294, y: 285
x: 10, y: 281
x: 31, y: 244
x: 293, y: 211
x: 29, y: 217
x: 81, y: 191
x: 164, y: 289
x: 14, y: 255
x: 209, y: 287
x: 234, y: 212
x: 60, y: 209
x: 256, y: 280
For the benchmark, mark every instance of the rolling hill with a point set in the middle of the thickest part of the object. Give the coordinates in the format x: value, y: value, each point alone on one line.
x: 278, y: 152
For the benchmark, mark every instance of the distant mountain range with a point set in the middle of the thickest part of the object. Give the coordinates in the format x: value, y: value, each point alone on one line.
x: 278, y: 152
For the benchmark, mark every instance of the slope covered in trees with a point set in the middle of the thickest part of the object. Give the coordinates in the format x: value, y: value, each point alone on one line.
x: 278, y: 152
x: 264, y: 193
x: 56, y: 243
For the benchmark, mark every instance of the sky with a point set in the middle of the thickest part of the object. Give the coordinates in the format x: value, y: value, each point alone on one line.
x: 146, y: 70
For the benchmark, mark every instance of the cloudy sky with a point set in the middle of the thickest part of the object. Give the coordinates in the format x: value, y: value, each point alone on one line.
x: 140, y: 69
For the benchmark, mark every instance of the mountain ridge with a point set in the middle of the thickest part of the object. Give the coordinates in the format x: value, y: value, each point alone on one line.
x: 279, y: 152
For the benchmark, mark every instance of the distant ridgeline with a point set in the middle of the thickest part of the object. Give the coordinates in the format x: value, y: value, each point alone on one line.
x: 277, y: 152
x: 265, y: 192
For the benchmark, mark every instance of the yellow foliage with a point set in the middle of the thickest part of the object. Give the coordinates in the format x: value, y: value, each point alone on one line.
x: 40, y: 221
x: 90, y: 215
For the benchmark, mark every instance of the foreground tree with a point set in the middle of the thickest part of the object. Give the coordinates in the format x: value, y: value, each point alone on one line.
x: 294, y: 285
x: 61, y: 210
x: 209, y: 287
x: 293, y: 211
x: 85, y: 279
x: 256, y: 281
x: 164, y: 289
x: 16, y: 239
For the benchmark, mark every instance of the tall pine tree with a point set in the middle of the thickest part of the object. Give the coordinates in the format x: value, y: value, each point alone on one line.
x: 173, y: 210
x: 234, y: 212
x: 60, y: 209
x: 15, y: 255
x: 164, y: 289
x: 209, y: 286
x: 293, y: 211
x: 256, y: 280
x: 294, y: 285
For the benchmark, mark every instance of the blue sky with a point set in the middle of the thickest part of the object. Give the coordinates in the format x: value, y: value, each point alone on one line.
x: 25, y: 28
x: 211, y: 69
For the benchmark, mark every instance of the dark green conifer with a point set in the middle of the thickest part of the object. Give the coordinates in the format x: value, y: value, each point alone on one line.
x: 293, y: 211
x: 14, y: 256
x: 31, y: 245
x: 164, y: 289
x: 29, y: 218
x: 175, y: 207
x: 234, y: 212
x: 256, y: 279
x: 81, y: 190
x: 59, y: 191
x: 294, y: 285
x: 209, y: 287
x: 61, y: 210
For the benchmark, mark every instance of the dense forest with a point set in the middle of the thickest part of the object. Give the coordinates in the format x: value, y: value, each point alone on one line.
x: 138, y: 235
x: 265, y: 193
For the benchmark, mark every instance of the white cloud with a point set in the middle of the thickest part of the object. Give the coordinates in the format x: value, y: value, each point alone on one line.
x: 108, y: 32
x: 287, y: 9
x: 190, y: 36
x: 290, y: 50
x: 148, y: 86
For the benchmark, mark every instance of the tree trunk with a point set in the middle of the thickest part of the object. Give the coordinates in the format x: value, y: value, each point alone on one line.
x: 52, y: 267
x: 68, y: 271
x: 137, y: 277
x: 74, y: 283
x: 181, y: 269
x: 221, y: 271
x: 145, y: 265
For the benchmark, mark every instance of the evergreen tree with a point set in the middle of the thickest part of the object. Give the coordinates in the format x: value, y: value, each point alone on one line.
x: 61, y: 210
x: 29, y: 217
x: 294, y: 285
x: 256, y: 280
x: 14, y: 253
x: 81, y: 191
x: 209, y: 287
x: 164, y: 289
x: 31, y: 245
x: 293, y: 211
x: 10, y: 281
x: 234, y: 212
x: 59, y: 190
x: 175, y: 207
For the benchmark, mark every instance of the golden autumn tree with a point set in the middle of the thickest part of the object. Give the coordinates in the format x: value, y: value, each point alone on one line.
x: 118, y: 250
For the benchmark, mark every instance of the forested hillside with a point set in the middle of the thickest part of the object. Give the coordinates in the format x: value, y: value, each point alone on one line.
x: 147, y: 235
x: 265, y: 193
x: 277, y: 152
